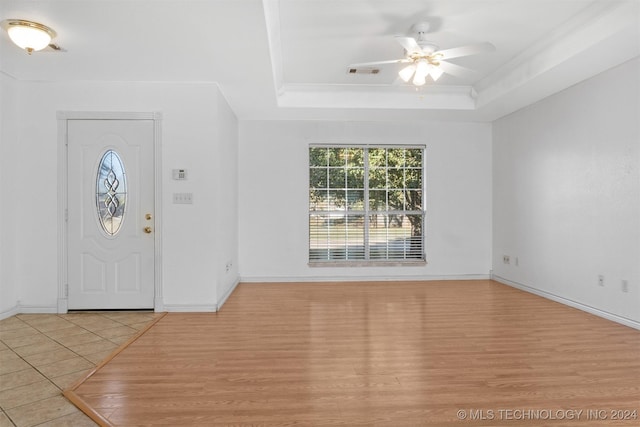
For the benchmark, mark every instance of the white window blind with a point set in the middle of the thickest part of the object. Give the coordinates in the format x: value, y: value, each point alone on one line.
x: 366, y: 203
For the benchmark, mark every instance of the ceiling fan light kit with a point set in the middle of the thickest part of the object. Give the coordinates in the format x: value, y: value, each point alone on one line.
x: 435, y: 73
x: 407, y: 72
x: 419, y: 71
x: 426, y: 59
x: 28, y: 35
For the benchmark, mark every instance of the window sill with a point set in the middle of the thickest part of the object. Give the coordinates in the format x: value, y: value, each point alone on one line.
x: 416, y: 263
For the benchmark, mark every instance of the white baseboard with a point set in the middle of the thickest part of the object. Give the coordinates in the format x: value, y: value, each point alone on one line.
x: 416, y: 278
x: 190, y: 308
x: 38, y: 309
x: 28, y: 309
x: 33, y: 309
x: 195, y: 308
x: 592, y: 310
x: 227, y: 294
x: 10, y: 312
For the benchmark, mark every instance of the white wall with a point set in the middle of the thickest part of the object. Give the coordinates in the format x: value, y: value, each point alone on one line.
x: 567, y: 194
x: 190, y: 139
x: 226, y: 226
x: 8, y: 206
x: 274, y: 198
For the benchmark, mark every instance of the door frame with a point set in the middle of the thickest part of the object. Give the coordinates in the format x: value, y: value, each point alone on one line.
x: 63, y: 117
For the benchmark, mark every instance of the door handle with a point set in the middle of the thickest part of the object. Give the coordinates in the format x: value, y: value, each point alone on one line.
x: 147, y: 230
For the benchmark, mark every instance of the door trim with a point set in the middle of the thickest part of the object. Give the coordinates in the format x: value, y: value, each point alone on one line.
x: 63, y: 117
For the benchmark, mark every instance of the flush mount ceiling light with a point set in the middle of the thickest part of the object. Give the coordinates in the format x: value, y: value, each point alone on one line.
x: 28, y: 35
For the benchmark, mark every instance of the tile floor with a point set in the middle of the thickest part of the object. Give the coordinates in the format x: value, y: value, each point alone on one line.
x: 43, y: 354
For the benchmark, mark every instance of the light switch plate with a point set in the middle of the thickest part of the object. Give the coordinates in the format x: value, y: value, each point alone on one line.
x: 183, y: 198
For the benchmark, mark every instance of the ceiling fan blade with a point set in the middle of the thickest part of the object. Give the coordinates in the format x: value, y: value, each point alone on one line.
x: 409, y: 44
x: 398, y: 82
x: 368, y: 64
x: 456, y: 70
x: 473, y: 49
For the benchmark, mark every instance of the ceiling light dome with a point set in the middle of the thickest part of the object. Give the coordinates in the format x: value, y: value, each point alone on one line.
x: 407, y: 72
x: 422, y: 70
x: 28, y: 35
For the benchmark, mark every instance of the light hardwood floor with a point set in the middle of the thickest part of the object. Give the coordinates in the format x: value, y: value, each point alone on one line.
x: 450, y: 353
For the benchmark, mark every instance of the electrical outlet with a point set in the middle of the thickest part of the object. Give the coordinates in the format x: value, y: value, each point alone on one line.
x: 506, y: 259
x: 517, y: 262
x: 625, y: 286
x: 601, y: 280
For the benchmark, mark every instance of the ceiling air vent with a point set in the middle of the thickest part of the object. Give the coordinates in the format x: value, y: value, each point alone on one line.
x: 363, y: 70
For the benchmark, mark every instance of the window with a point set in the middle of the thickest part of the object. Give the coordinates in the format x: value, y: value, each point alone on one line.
x: 111, y: 192
x: 366, y: 204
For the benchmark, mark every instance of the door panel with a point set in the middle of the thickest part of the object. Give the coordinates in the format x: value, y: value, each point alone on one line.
x: 124, y: 270
x: 111, y: 192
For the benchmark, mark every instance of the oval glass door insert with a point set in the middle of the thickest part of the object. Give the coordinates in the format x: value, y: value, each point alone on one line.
x: 111, y: 192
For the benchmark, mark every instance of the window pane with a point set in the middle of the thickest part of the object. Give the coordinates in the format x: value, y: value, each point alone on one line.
x: 378, y: 200
x: 387, y: 237
x: 337, y: 199
x: 355, y: 200
x: 355, y: 157
x: 318, y: 178
x: 395, y: 237
x: 355, y: 178
x: 317, y: 156
x: 377, y: 178
x: 336, y: 156
x: 336, y: 238
x: 318, y: 238
x: 355, y: 237
x: 377, y: 157
x: 395, y: 178
x: 413, y: 178
x: 318, y: 200
x: 414, y: 158
x: 396, y: 200
x: 395, y: 157
x: 337, y: 178
x: 413, y: 200
x: 415, y: 249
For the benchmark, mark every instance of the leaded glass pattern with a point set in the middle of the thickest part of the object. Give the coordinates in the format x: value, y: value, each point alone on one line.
x: 111, y: 192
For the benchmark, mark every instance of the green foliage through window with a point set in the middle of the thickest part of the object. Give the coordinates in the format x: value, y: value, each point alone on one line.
x: 366, y: 203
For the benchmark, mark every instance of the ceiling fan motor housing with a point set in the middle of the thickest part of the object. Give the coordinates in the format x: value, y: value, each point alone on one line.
x: 421, y: 27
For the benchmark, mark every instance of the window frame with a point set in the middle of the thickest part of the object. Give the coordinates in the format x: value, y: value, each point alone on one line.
x: 367, y: 211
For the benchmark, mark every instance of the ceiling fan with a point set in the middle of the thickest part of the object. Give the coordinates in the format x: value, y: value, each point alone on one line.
x: 426, y: 59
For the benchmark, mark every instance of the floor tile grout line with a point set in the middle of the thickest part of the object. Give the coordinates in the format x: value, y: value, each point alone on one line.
x: 9, y: 418
x: 49, y: 379
x: 42, y: 373
x: 65, y: 346
x: 35, y: 401
x: 26, y: 324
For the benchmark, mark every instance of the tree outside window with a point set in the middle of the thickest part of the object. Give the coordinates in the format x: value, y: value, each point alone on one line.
x: 366, y: 203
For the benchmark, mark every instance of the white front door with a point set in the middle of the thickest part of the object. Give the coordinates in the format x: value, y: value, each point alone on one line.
x: 110, y: 226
